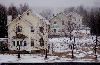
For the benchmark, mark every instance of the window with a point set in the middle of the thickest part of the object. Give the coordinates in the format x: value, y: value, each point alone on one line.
x: 20, y: 43
x: 75, y: 19
x: 32, y: 29
x: 63, y: 30
x: 79, y: 25
x: 68, y: 22
x: 19, y: 29
x: 62, y: 22
x: 79, y: 19
x: 55, y: 22
x: 54, y: 30
x: 59, y: 30
x: 25, y: 43
x: 41, y: 42
x: 32, y: 42
x: 27, y: 13
x: 17, y: 43
x: 13, y: 43
x: 41, y: 29
x: 75, y: 25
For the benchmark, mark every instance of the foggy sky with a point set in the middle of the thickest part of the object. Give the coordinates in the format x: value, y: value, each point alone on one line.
x: 49, y: 3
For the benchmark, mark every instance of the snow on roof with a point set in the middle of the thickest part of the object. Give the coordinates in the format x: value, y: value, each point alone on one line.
x: 40, y: 17
x: 26, y: 21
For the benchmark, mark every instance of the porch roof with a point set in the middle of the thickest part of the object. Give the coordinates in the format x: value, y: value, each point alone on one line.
x: 20, y: 36
x: 55, y: 27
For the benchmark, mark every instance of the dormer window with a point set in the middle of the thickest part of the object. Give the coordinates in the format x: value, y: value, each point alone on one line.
x: 32, y: 29
x: 19, y: 29
x: 27, y: 13
x: 32, y: 42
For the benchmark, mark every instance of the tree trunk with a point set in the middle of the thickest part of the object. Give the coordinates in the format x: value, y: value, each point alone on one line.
x: 46, y: 54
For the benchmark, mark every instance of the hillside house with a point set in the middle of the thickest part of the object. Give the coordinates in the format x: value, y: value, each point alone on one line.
x: 76, y: 19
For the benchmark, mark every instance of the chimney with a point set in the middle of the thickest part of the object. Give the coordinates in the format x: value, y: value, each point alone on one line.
x: 9, y: 19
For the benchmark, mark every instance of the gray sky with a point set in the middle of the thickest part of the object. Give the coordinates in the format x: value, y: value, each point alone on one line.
x: 49, y: 3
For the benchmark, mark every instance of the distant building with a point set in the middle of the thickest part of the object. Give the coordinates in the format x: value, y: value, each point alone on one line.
x: 76, y: 20
x: 30, y: 31
x: 59, y: 25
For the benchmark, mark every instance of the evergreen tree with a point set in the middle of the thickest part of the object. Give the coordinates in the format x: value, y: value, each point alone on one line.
x: 3, y: 21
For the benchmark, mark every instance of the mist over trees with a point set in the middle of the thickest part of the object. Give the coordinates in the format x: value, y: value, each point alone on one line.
x: 12, y: 10
x: 23, y: 8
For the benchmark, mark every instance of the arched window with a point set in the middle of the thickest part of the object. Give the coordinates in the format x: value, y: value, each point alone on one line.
x: 19, y: 29
x: 41, y: 42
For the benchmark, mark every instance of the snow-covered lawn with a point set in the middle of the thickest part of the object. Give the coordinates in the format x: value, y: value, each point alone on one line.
x: 38, y: 58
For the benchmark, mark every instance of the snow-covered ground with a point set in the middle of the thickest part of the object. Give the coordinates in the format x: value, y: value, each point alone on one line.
x: 83, y: 51
x: 38, y: 58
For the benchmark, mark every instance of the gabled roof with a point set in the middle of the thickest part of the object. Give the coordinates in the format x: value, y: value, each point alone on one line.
x: 20, y: 18
x: 70, y: 13
x: 57, y: 17
x: 38, y: 16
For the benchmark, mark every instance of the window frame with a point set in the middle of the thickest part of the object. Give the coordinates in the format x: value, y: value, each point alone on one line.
x: 41, y: 29
x: 25, y: 44
x: 27, y: 13
x: 55, y: 30
x: 32, y: 30
x: 17, y: 43
x: 55, y: 22
x: 32, y: 42
x: 41, y: 42
x: 20, y: 43
x: 68, y: 22
x: 19, y: 29
x: 13, y: 43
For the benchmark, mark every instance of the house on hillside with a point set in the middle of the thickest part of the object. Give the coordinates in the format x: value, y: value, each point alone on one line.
x: 59, y: 25
x: 76, y: 19
x: 30, y: 31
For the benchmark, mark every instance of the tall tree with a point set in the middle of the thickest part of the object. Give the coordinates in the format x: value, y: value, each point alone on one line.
x: 23, y: 8
x: 12, y: 10
x: 3, y: 21
x: 46, y: 14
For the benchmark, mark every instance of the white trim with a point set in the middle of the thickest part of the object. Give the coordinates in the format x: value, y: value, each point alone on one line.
x: 22, y: 19
x: 29, y: 37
